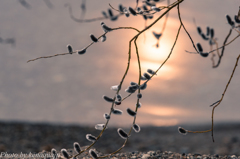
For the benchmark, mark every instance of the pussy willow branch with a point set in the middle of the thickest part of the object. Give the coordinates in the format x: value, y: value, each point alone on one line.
x: 142, y: 31
x: 139, y: 92
x: 129, y: 133
x: 129, y: 58
x: 219, y: 102
x: 81, y: 20
x: 170, y: 7
x: 119, y: 88
x: 179, y: 16
x: 226, y: 44
x: 223, y: 48
x: 168, y: 54
x: 84, y: 48
x: 219, y: 47
x: 165, y: 21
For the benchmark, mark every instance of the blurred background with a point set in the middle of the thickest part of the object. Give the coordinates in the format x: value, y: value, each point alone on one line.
x: 68, y: 89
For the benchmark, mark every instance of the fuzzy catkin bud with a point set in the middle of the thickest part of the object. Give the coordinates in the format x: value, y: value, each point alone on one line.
x: 93, y: 154
x: 182, y: 131
x: 122, y: 133
x: 143, y: 86
x: 130, y: 89
x: 145, y: 8
x: 212, y: 33
x: 139, y: 10
x: 104, y: 38
x: 114, y: 88
x: 139, y: 95
x: 204, y: 37
x: 211, y: 42
x: 120, y: 8
x: 77, y: 147
x: 91, y: 138
x: 80, y: 52
x: 199, y: 47
x: 54, y: 153
x: 199, y: 30
x: 136, y: 128
x: 156, y: 35
x: 105, y: 27
x: 155, y: 8
x: 110, y: 12
x: 132, y: 11
x: 93, y: 38
x: 65, y: 153
x: 229, y: 20
x: 126, y: 12
x: 106, y: 116
x: 150, y: 71
x: 70, y: 50
x: 133, y: 87
x: 138, y: 105
x: 145, y: 17
x: 208, y: 31
x: 143, y: 78
x: 237, y: 19
x: 117, y: 112
x: 99, y: 126
x: 131, y: 112
x: 147, y: 76
x: 104, y: 14
x: 119, y: 97
x: 149, y: 4
x: 133, y: 83
x: 108, y: 99
x: 204, y: 54
x: 114, y: 18
x: 117, y: 102
x: 150, y: 16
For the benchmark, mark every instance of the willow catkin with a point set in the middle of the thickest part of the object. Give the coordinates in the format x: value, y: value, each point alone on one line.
x: 182, y: 131
x: 77, y: 147
x: 65, y: 153
x: 131, y: 112
x: 70, y: 50
x: 136, y: 128
x: 93, y: 154
x: 93, y: 38
x: 91, y: 138
x: 122, y: 133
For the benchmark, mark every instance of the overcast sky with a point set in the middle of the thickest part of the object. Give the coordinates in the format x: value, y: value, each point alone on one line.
x: 69, y: 89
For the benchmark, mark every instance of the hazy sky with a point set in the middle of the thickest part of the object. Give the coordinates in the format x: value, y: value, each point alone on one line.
x: 69, y: 89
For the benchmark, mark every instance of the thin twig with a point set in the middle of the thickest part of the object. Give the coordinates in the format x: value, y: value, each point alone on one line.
x: 219, y: 102
x: 85, y: 47
x: 179, y: 15
x: 223, y: 48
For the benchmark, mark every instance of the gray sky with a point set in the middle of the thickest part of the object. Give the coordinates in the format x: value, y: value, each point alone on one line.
x: 69, y: 89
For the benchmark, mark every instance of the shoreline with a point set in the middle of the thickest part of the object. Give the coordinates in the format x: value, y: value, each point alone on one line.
x: 21, y: 137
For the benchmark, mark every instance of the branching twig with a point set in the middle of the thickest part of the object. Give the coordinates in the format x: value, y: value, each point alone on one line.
x: 219, y: 102
x: 223, y: 48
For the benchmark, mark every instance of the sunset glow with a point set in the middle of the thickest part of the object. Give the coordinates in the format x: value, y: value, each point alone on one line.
x: 164, y: 111
x: 159, y: 122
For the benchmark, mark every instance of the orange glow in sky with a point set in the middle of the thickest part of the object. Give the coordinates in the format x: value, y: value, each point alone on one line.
x: 164, y: 111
